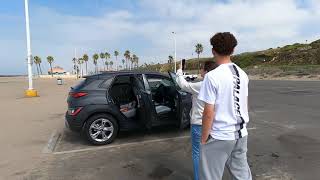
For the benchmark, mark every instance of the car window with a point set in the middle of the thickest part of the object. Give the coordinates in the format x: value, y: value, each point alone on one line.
x: 156, y: 81
x: 106, y: 84
x: 82, y: 83
x: 140, y: 78
x: 122, y: 80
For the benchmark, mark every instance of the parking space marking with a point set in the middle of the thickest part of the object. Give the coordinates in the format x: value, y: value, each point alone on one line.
x: 126, y: 144
x: 52, y: 142
x: 120, y: 145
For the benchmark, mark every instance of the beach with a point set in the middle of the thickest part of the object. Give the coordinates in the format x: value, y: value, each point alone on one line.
x: 27, y: 123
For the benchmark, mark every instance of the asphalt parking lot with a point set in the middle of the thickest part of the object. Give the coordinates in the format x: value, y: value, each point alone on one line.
x: 284, y: 143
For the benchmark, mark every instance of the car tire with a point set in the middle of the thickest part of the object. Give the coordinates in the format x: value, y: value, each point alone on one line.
x: 106, y: 133
x: 188, y: 79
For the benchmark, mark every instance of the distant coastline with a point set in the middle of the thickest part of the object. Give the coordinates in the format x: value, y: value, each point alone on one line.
x: 11, y: 75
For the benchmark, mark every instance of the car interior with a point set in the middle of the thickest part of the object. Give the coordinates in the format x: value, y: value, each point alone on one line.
x: 123, y: 95
x: 163, y: 95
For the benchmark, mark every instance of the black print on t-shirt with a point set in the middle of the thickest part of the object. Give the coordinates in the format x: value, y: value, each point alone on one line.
x: 236, y: 93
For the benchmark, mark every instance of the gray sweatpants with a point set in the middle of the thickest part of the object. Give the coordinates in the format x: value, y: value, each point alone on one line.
x: 216, y: 154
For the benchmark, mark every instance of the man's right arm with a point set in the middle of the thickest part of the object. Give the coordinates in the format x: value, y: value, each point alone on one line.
x: 207, y: 120
x: 208, y: 94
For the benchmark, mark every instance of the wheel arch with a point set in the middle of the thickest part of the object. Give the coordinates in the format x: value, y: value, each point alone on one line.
x: 107, y: 110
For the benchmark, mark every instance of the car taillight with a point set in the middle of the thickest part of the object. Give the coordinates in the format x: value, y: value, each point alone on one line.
x: 74, y: 111
x: 78, y: 94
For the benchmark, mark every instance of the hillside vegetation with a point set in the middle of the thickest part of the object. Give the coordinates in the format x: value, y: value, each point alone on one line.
x: 296, y: 58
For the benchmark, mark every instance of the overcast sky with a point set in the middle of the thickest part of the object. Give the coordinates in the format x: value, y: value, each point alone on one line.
x: 144, y: 27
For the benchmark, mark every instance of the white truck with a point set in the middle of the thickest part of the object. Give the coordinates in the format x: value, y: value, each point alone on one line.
x: 189, y: 77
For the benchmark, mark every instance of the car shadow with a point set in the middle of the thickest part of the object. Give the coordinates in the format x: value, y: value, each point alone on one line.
x: 74, y: 141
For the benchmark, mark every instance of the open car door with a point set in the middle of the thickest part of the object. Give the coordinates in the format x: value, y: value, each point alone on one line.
x: 184, y: 104
x: 145, y: 109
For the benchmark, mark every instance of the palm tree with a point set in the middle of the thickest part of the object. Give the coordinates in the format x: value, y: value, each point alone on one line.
x: 107, y: 55
x: 80, y: 62
x: 102, y: 56
x: 123, y: 61
x: 74, y: 64
x: 95, y: 58
x: 137, y: 61
x: 37, y: 61
x: 50, y: 60
x: 107, y: 64
x: 116, y: 54
x: 40, y: 66
x: 111, y: 64
x: 170, y: 61
x: 134, y: 59
x: 127, y: 57
x: 199, y: 50
x: 86, y: 59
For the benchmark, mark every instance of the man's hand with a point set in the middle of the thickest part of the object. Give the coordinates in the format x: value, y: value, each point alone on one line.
x: 207, y: 120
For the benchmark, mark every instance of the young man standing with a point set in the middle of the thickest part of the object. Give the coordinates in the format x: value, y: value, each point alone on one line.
x: 196, y: 111
x: 224, y: 134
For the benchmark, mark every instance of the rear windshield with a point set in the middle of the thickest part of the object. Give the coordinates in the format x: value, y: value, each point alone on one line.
x: 81, y: 84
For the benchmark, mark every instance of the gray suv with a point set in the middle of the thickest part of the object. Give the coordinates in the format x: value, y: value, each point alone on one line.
x: 104, y: 104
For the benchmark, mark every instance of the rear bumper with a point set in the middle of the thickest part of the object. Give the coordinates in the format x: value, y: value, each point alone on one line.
x: 74, y: 123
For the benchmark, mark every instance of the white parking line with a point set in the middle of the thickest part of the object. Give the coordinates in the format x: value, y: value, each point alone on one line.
x: 120, y: 145
x: 126, y: 144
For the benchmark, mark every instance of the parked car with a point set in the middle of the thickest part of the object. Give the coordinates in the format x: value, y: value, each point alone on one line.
x: 102, y: 105
x: 189, y: 77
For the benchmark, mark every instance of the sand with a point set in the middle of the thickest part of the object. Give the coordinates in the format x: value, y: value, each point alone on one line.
x: 27, y: 123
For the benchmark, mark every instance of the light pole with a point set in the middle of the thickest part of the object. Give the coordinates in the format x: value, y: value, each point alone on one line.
x: 175, y: 51
x: 30, y: 92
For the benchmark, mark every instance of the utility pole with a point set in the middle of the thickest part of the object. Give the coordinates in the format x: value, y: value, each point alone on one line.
x: 175, y: 52
x: 30, y: 92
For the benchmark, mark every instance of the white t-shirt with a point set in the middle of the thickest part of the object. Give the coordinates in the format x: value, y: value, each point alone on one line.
x: 226, y: 87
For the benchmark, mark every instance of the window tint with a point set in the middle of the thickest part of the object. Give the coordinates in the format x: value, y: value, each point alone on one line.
x: 140, y: 78
x: 156, y: 81
x: 82, y: 83
x: 106, y: 84
x: 122, y: 80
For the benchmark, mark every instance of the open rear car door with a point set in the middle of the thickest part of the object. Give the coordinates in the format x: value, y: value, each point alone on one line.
x: 184, y: 104
x: 146, y: 113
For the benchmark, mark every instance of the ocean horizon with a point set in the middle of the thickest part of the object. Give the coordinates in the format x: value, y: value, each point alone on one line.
x: 14, y: 75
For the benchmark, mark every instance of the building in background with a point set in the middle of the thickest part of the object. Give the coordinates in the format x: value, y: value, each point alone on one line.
x: 57, y: 70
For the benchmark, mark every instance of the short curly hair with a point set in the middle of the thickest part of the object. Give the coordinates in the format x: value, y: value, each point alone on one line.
x: 224, y: 43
